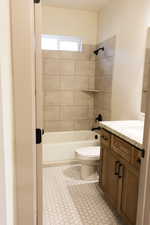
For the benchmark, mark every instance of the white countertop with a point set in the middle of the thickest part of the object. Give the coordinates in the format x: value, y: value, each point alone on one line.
x: 130, y: 130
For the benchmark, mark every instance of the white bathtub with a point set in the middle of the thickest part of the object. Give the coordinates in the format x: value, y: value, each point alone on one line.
x: 61, y: 146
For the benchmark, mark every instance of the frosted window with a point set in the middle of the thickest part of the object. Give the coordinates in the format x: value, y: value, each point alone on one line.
x: 49, y: 44
x: 63, y: 43
x: 69, y: 46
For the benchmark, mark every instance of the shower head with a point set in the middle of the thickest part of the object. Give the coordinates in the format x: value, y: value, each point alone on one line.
x: 97, y: 50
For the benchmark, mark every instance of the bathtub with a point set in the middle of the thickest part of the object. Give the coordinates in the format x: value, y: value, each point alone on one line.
x: 61, y: 146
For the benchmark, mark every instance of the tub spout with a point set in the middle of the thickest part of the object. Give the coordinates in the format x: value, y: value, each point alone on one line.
x: 95, y: 128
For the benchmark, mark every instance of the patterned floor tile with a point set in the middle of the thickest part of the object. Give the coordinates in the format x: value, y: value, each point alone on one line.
x: 68, y: 200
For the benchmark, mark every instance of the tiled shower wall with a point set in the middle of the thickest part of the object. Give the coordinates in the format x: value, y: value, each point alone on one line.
x: 145, y: 80
x: 65, y: 76
x: 103, y: 78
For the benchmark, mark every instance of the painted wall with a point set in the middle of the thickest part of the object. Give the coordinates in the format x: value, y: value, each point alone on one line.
x: 128, y: 20
x: 146, y: 74
x: 6, y: 120
x: 60, y: 21
x: 148, y: 39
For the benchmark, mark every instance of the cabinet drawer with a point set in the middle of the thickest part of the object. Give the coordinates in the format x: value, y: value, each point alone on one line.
x: 122, y: 148
x: 105, y: 138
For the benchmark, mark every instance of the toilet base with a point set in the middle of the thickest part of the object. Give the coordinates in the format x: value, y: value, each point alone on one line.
x: 89, y: 157
x: 89, y: 172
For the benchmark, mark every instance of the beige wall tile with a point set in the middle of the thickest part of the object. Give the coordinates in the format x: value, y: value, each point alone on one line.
x: 82, y: 56
x: 67, y: 125
x: 83, y: 68
x: 85, y: 54
x: 92, y: 69
x: 51, y: 67
x: 66, y: 98
x: 65, y: 75
x: 104, y: 100
x: 52, y: 113
x: 91, y: 82
x: 103, y: 83
x: 91, y: 100
x: 103, y: 78
x: 91, y: 113
x: 67, y: 67
x: 74, y: 112
x: 51, y: 83
x: 66, y: 55
x: 50, y: 54
x: 81, y: 98
x: 52, y: 98
x: 59, y: 98
x: 83, y: 125
x: 58, y: 126
x: 67, y: 83
x: 81, y: 82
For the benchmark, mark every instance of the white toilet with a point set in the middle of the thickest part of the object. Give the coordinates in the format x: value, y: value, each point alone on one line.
x: 89, y: 159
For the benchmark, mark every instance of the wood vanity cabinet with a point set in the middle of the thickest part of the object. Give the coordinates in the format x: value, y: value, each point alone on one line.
x: 119, y: 175
x: 129, y: 195
x: 109, y: 179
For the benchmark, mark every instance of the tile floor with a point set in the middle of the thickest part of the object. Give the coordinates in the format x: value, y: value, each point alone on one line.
x: 70, y: 201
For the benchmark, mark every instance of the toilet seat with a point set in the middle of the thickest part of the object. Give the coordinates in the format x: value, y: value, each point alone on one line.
x: 88, y: 153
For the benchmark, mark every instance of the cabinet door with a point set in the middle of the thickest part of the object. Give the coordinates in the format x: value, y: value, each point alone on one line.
x: 129, y: 198
x: 104, y: 173
x: 109, y: 179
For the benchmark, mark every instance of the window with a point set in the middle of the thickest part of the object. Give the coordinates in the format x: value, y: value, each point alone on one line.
x: 64, y: 43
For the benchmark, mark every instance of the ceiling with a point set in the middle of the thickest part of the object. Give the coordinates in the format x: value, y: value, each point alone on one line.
x: 90, y: 5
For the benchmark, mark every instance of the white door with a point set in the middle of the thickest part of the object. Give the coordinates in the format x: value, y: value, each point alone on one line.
x: 39, y: 107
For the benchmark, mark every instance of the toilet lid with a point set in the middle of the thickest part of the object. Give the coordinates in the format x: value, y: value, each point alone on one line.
x: 92, y: 152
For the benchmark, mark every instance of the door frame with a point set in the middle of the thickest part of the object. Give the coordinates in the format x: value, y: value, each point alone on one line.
x: 143, y: 215
x: 2, y: 169
x: 23, y: 69
x: 39, y: 108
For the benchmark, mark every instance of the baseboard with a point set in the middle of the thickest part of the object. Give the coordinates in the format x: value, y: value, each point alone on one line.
x: 60, y: 163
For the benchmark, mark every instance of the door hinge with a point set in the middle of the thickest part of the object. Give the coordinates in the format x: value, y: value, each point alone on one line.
x: 36, y: 1
x: 38, y: 136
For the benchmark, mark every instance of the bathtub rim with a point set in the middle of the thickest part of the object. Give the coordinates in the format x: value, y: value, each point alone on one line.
x: 46, y: 136
x: 60, y: 163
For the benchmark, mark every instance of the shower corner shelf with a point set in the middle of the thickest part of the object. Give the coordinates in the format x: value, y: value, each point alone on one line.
x: 91, y: 91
